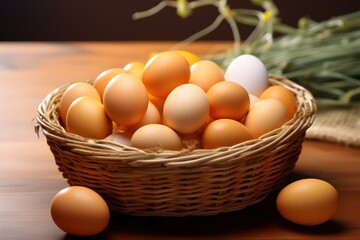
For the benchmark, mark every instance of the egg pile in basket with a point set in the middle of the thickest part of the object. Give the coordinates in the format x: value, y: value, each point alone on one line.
x: 177, y: 138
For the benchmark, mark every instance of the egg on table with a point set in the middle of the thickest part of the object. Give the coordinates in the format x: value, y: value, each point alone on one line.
x: 308, y: 201
x: 80, y: 211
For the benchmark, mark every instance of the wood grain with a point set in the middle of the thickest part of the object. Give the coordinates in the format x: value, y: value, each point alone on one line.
x: 29, y: 178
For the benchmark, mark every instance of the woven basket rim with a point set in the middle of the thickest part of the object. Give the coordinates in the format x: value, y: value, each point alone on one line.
x: 48, y: 122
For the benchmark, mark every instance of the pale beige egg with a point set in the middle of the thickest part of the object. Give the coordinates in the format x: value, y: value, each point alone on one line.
x: 87, y: 117
x: 156, y: 136
x: 186, y: 109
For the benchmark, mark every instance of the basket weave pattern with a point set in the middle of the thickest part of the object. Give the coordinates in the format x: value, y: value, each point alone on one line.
x: 179, y: 183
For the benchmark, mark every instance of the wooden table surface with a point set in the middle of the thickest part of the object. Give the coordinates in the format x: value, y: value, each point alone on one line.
x: 29, y: 178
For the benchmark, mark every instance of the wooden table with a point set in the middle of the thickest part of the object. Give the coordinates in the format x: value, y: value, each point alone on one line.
x: 29, y: 177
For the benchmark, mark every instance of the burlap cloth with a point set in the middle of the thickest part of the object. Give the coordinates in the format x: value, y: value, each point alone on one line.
x: 340, y: 125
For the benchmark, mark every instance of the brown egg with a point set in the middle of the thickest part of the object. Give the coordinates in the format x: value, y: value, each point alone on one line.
x: 104, y: 78
x: 74, y: 91
x: 86, y: 117
x: 125, y: 99
x: 225, y: 132
x: 156, y: 136
x: 80, y: 211
x: 205, y: 74
x: 308, y: 201
x: 283, y: 95
x: 228, y: 100
x: 164, y: 72
x: 265, y: 116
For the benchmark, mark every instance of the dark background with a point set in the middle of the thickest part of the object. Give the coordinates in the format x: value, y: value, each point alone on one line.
x: 110, y: 20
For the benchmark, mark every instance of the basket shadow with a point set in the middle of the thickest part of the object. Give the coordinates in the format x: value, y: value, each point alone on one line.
x: 263, y: 215
x: 255, y: 218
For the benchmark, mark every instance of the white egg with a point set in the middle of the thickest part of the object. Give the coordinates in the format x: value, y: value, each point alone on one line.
x: 250, y: 72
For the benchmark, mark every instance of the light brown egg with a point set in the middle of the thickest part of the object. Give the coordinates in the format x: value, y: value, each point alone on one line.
x: 164, y: 72
x: 224, y: 132
x: 158, y: 136
x: 205, y: 74
x: 125, y: 99
x: 283, y: 95
x: 80, y: 211
x: 186, y: 109
x: 308, y: 201
x: 228, y: 100
x: 104, y: 78
x: 74, y: 91
x: 86, y: 117
x: 265, y: 116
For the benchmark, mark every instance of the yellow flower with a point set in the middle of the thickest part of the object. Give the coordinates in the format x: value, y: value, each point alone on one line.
x: 267, y: 15
x: 183, y: 9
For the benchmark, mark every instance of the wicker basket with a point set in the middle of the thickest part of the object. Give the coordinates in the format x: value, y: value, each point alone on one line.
x: 179, y: 183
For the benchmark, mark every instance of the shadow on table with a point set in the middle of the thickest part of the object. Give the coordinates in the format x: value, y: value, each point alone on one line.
x: 259, y: 217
